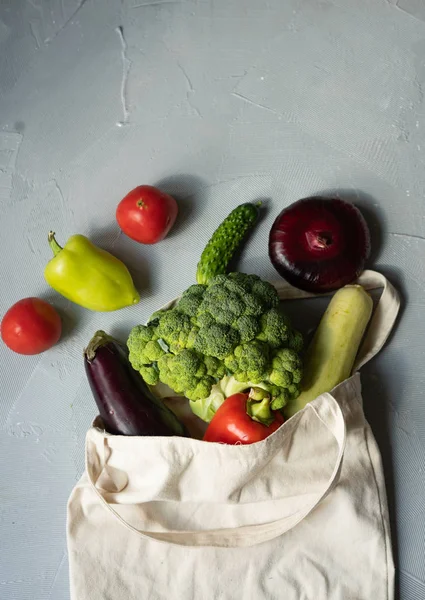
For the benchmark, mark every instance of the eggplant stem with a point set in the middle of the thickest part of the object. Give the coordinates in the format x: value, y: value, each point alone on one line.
x: 99, y: 339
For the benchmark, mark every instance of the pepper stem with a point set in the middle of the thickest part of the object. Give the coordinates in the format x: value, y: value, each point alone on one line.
x: 53, y: 243
x: 257, y: 393
x: 258, y: 406
x: 99, y: 339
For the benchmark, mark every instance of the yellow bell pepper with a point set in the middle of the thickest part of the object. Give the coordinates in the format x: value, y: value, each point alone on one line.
x: 89, y: 276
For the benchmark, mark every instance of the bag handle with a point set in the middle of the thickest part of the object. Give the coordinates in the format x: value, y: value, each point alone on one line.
x: 325, y: 408
x: 384, y: 315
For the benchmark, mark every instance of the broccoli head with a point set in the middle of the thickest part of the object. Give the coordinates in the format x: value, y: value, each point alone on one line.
x: 230, y: 327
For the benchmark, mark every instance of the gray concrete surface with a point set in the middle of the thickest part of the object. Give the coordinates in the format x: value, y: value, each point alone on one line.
x: 218, y: 101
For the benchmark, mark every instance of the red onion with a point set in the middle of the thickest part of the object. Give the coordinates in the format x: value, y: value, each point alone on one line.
x: 319, y: 244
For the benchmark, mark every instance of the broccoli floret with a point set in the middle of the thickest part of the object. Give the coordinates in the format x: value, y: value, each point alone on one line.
x: 150, y: 374
x: 185, y: 373
x: 217, y: 280
x: 294, y: 391
x: 275, y: 329
x: 190, y: 338
x: 191, y: 300
x: 266, y: 292
x: 234, y: 287
x: 249, y: 362
x: 231, y: 363
x: 215, y: 367
x: 201, y: 390
x: 204, y: 319
x: 154, y: 319
x: 296, y: 341
x: 138, y: 339
x: 189, y: 305
x: 231, y: 300
x: 151, y: 352
x: 182, y: 339
x: 140, y: 334
x: 216, y: 340
x: 248, y: 327
x: 291, y: 361
x: 279, y: 376
x: 161, y: 353
x: 224, y: 306
x: 243, y: 280
x: 171, y: 324
x: 176, y: 330
x: 144, y: 351
x: 254, y: 305
x: 280, y: 397
x: 195, y: 290
x: 286, y: 368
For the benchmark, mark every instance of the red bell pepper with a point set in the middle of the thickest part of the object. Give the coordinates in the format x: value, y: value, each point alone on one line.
x: 244, y: 419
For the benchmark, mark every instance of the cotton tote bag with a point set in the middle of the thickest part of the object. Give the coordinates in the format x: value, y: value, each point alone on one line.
x: 301, y: 515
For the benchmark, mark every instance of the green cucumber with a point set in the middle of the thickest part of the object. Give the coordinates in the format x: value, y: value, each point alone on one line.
x: 225, y: 241
x: 330, y: 357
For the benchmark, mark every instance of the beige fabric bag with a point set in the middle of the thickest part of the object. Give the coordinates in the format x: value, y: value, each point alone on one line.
x: 301, y: 515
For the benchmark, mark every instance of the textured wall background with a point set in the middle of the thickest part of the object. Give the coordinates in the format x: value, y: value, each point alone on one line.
x: 219, y: 102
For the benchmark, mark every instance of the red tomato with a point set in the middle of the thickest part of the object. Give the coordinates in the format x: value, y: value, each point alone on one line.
x: 232, y: 425
x: 31, y: 326
x: 146, y: 214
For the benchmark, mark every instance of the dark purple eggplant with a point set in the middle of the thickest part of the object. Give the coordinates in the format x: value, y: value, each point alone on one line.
x: 125, y: 402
